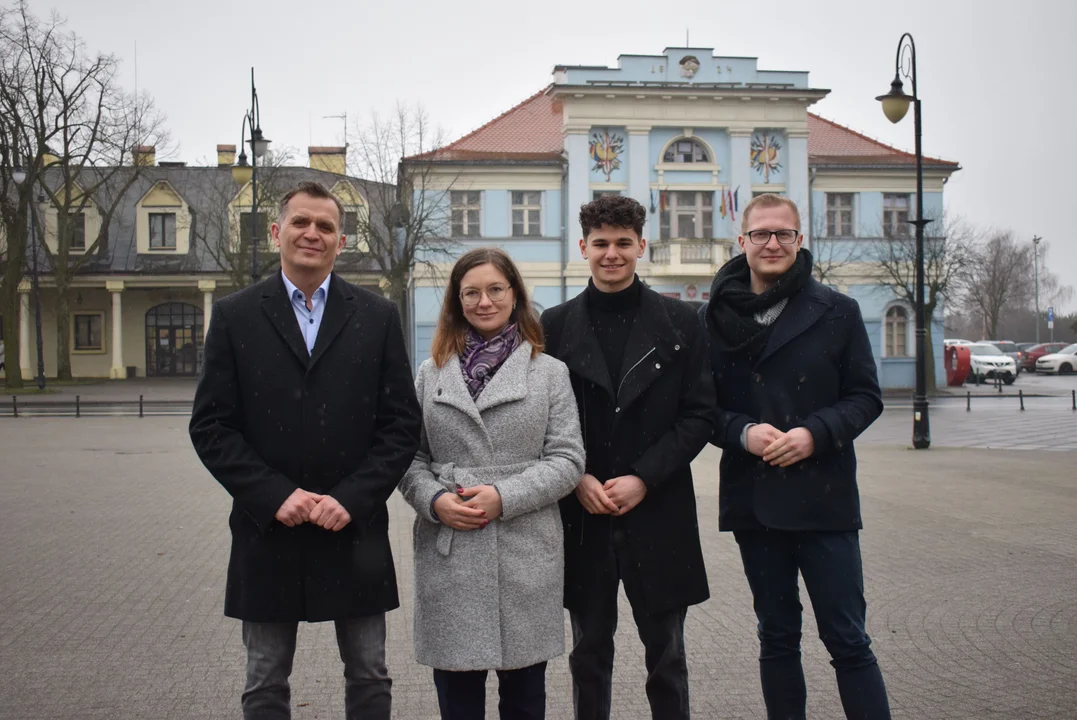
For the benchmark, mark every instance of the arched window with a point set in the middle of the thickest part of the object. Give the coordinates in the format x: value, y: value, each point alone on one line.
x: 897, y: 332
x: 686, y: 150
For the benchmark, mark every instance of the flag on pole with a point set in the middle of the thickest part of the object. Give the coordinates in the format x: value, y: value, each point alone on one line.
x: 722, y: 208
x: 736, y: 199
x: 732, y: 216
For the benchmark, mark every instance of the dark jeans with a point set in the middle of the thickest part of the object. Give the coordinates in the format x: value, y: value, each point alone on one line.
x: 831, y: 566
x: 591, y: 659
x: 271, y: 647
x: 522, y: 693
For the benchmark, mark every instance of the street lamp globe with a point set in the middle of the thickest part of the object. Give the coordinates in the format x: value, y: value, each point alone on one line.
x: 896, y: 102
x: 18, y: 175
x: 242, y: 171
x: 259, y: 144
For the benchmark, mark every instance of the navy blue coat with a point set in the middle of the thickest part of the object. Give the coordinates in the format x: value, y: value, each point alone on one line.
x: 269, y: 418
x: 817, y: 372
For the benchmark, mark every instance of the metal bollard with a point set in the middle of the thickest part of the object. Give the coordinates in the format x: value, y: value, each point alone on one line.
x: 78, y: 409
x: 140, y: 406
x: 1021, y: 396
x: 1073, y: 398
x: 968, y: 401
x: 998, y: 383
x: 15, y: 405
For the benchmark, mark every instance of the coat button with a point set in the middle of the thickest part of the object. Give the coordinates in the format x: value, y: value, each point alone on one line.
x: 439, y: 392
x: 658, y: 366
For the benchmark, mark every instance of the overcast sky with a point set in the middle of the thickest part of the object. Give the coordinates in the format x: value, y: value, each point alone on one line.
x: 996, y: 79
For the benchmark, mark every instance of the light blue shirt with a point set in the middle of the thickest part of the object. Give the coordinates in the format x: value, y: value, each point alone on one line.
x: 309, y: 320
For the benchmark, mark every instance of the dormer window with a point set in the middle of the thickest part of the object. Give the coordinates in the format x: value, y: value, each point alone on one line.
x: 686, y: 150
x: 162, y: 231
x: 77, y: 222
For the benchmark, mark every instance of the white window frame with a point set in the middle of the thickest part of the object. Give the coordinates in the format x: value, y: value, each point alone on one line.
x: 71, y: 216
x: 464, y: 207
x: 891, y: 228
x: 886, y: 333
x: 175, y: 232
x: 852, y: 215
x: 700, y: 209
x: 708, y: 153
x: 527, y: 208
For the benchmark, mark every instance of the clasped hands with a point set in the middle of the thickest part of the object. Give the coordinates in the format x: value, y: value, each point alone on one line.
x: 322, y: 510
x: 780, y: 449
x: 469, y: 508
x: 616, y: 496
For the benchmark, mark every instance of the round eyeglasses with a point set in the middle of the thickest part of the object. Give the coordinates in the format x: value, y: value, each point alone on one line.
x: 762, y: 237
x: 473, y: 296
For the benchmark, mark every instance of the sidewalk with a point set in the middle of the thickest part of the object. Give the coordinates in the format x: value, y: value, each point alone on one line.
x: 152, y: 389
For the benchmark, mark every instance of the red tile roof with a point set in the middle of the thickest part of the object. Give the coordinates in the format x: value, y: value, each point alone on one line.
x: 832, y: 144
x: 532, y: 131
x: 528, y: 131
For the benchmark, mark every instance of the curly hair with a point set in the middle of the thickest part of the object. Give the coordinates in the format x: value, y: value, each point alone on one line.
x: 613, y: 210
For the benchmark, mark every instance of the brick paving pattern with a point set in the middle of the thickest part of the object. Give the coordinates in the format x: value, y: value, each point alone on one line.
x: 115, y: 544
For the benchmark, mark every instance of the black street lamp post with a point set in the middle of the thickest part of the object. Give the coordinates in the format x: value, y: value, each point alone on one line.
x: 19, y: 176
x: 895, y: 106
x: 242, y: 172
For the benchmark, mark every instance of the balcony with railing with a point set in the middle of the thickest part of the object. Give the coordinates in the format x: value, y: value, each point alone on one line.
x: 688, y: 256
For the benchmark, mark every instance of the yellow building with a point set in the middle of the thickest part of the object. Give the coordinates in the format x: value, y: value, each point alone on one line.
x: 140, y: 302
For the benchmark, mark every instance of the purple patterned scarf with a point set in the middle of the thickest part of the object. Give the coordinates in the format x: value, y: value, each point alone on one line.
x: 481, y: 358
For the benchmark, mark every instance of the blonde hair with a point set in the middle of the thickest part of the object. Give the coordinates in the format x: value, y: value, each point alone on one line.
x: 767, y: 200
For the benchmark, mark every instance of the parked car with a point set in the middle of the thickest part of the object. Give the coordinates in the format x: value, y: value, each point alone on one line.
x: 1062, y: 362
x: 1009, y: 348
x: 1034, y: 353
x: 988, y: 363
x: 954, y: 341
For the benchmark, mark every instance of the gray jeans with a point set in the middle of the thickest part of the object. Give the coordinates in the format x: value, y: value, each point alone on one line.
x: 271, y: 648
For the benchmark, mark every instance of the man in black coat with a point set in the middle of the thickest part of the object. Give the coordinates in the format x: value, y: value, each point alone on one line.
x: 639, y: 370
x: 796, y: 384
x: 306, y: 414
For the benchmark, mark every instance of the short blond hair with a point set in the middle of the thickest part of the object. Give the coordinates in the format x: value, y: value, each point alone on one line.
x: 767, y: 200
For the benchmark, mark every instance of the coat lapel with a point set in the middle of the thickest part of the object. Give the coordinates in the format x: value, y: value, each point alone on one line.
x: 278, y: 308
x: 509, y: 383
x: 339, y: 307
x: 579, y: 347
x: 450, y: 390
x: 805, y: 309
x: 652, y: 343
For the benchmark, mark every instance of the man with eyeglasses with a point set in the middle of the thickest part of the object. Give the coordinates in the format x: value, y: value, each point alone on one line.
x: 795, y: 386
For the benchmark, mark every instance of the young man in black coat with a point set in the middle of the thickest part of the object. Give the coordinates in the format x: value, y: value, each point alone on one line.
x: 639, y: 369
x: 306, y: 414
x: 796, y: 384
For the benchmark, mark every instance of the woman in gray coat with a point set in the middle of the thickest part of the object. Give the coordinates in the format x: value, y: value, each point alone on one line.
x: 501, y: 444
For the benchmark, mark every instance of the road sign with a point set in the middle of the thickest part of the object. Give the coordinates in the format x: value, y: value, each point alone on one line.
x: 1051, y: 314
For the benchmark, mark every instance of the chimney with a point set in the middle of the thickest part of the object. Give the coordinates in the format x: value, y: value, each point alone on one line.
x: 329, y: 159
x: 145, y: 155
x: 226, y: 155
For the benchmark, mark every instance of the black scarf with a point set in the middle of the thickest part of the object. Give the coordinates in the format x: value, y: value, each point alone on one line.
x: 733, y: 304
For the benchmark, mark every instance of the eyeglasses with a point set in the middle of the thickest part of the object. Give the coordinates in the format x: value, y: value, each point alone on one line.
x: 473, y: 296
x: 762, y: 237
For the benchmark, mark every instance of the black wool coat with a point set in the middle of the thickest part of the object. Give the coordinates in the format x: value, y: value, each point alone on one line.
x: 269, y: 418
x: 817, y: 372
x: 661, y: 416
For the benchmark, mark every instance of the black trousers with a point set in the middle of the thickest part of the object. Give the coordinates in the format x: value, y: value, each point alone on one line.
x: 522, y: 693
x: 831, y: 565
x: 591, y: 659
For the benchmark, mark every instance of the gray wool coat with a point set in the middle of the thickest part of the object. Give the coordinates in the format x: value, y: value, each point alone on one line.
x: 492, y: 598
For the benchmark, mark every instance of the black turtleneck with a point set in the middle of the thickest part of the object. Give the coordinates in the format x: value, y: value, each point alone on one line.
x: 612, y: 316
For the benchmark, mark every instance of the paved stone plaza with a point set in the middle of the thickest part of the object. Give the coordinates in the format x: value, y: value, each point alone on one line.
x: 115, y: 543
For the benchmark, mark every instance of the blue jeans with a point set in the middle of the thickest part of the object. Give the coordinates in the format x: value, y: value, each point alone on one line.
x: 831, y: 565
x: 271, y: 648
x: 522, y: 693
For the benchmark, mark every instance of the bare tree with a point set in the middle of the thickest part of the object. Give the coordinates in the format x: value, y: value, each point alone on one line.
x: 85, y: 133
x: 223, y: 233
x: 408, y: 218
x: 829, y: 255
x: 996, y: 274
x: 945, y: 253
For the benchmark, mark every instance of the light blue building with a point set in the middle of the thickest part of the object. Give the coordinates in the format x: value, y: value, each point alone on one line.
x: 693, y: 137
